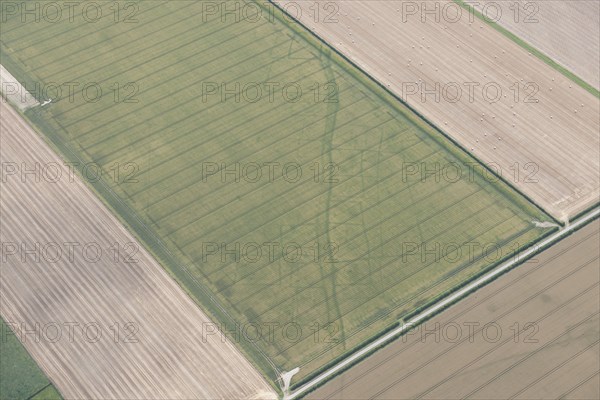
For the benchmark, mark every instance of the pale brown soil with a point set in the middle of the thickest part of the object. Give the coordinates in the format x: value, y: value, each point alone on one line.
x: 566, y: 31
x: 14, y: 92
x: 169, y: 356
x: 558, y: 292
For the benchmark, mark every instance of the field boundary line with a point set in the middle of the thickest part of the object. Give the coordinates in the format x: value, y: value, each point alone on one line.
x: 439, y: 306
x: 495, y: 292
x: 532, y: 49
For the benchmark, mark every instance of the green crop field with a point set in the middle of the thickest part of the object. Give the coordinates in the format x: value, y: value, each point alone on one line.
x: 20, y: 377
x: 306, y: 224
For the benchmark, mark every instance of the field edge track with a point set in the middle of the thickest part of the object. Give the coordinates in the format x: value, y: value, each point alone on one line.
x: 441, y: 305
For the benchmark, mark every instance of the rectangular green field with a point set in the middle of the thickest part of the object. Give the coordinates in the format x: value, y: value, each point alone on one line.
x: 297, y: 201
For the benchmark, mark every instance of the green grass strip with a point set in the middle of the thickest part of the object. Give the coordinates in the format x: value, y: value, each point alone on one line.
x: 549, y: 61
x: 20, y: 376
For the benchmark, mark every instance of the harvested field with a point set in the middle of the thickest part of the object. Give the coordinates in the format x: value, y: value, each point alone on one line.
x: 110, y: 325
x: 566, y: 31
x: 553, y: 142
x: 533, y: 333
x: 12, y: 91
x: 303, y: 262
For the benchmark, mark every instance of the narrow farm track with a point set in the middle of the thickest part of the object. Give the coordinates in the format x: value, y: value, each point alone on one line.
x: 531, y: 334
x: 162, y: 353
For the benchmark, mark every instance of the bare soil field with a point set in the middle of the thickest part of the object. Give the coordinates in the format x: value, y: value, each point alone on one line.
x: 92, y: 307
x: 12, y: 90
x: 507, y: 107
x: 533, y: 333
x: 566, y: 31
